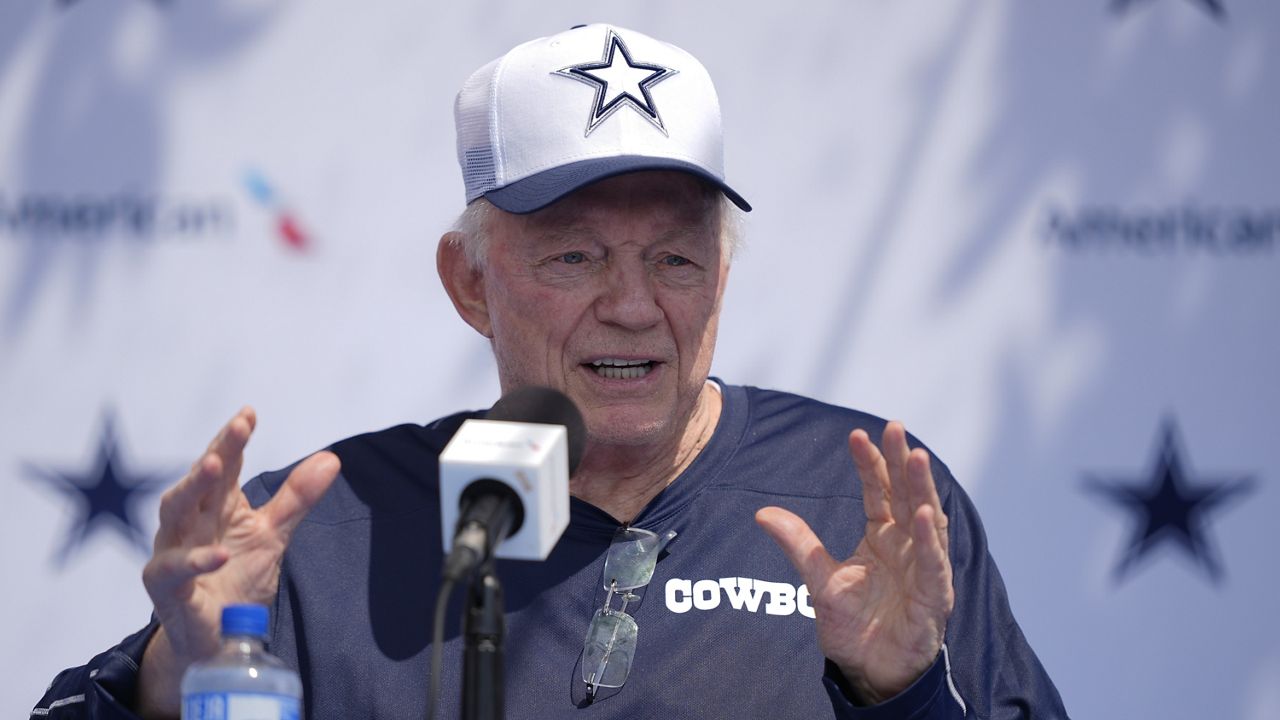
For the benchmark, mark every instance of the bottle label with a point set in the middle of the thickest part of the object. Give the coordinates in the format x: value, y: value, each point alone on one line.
x: 239, y: 706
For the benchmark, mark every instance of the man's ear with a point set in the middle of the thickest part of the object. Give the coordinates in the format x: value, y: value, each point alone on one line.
x: 464, y: 283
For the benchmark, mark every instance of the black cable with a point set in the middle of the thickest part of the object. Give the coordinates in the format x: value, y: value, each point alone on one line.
x: 437, y: 647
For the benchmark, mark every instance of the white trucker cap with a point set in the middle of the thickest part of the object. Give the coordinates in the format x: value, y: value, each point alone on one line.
x: 561, y: 112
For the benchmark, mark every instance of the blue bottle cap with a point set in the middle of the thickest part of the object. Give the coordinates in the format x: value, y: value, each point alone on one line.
x: 244, y: 620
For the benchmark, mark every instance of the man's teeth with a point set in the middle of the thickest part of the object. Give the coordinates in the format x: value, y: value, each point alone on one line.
x: 622, y: 369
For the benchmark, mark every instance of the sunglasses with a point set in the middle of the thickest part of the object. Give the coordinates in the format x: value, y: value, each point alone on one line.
x: 611, y: 638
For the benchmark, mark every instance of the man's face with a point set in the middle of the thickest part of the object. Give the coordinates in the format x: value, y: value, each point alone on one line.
x: 611, y: 295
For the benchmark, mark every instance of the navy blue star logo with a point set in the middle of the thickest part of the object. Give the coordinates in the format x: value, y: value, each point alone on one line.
x: 619, y: 82
x: 105, y: 495
x: 1169, y: 508
x: 1213, y: 7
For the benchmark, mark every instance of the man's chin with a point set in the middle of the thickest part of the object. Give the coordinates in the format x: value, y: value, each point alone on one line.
x: 626, y: 429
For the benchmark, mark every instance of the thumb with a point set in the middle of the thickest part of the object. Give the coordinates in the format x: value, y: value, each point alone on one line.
x: 300, y: 491
x: 799, y: 544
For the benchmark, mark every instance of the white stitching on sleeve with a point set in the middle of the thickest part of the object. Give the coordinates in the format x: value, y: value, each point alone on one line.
x: 951, y: 684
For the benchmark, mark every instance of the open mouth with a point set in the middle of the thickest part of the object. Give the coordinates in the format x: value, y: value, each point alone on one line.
x: 614, y: 369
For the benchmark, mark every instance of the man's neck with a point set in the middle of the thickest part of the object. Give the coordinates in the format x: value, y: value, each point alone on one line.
x: 623, y: 481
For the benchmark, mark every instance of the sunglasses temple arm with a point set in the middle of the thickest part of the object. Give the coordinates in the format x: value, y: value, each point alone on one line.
x: 665, y: 538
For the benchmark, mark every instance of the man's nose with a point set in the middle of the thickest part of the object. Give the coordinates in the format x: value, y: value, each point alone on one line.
x: 628, y: 298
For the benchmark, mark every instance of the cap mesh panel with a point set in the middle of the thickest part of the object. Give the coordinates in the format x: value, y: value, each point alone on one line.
x: 475, y: 132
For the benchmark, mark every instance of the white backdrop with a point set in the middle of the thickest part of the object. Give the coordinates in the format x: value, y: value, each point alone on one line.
x: 1043, y: 234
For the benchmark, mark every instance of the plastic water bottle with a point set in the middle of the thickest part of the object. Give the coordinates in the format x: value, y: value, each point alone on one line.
x: 243, y: 681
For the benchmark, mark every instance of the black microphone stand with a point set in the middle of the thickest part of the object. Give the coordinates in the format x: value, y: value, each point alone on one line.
x: 483, y: 625
x: 494, y: 512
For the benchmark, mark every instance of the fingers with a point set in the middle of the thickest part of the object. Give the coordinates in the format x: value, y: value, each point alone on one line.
x: 896, y: 453
x: 300, y: 491
x: 932, y: 566
x: 874, y: 474
x: 194, y: 511
x: 924, y: 493
x: 799, y: 544
x: 228, y: 446
x: 234, y: 436
x: 189, y: 510
x: 896, y: 480
x: 169, y: 571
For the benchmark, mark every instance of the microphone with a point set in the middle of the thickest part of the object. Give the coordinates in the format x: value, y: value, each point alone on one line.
x: 504, y: 480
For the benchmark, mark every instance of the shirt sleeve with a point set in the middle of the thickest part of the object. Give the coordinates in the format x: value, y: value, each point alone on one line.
x: 992, y: 666
x: 928, y: 698
x: 105, y: 688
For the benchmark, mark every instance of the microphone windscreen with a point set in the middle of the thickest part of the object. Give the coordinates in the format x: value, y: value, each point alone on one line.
x: 542, y: 405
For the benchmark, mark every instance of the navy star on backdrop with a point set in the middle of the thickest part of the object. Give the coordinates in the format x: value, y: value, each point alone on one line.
x: 105, y: 494
x: 1168, y: 507
x: 1213, y: 7
x: 618, y: 82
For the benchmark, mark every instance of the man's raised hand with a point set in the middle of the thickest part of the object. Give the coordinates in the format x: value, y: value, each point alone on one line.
x: 212, y: 549
x: 882, y: 613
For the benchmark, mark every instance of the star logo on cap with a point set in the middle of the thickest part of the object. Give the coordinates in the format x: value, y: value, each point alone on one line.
x: 619, y: 82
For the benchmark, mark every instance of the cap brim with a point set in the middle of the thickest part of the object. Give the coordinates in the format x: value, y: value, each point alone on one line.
x: 538, y: 191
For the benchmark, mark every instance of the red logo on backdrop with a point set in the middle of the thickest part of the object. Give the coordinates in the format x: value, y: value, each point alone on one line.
x: 288, y: 229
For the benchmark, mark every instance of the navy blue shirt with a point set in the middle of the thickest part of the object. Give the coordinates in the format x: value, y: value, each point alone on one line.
x: 725, y: 626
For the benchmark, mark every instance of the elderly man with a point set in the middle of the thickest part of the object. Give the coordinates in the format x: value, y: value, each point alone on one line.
x: 593, y: 255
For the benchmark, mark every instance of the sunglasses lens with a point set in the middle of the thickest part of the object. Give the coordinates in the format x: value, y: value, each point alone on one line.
x: 610, y: 645
x: 631, y: 560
